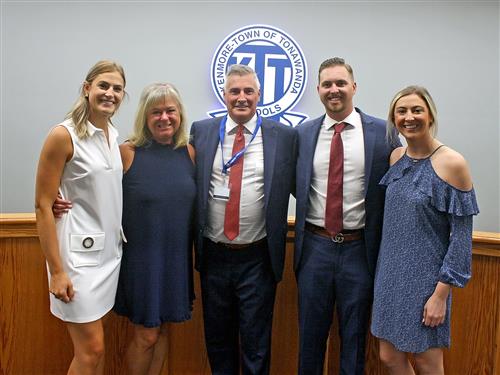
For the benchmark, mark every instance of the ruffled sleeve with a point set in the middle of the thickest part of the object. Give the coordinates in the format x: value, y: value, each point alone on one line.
x: 443, y: 196
x: 396, y: 171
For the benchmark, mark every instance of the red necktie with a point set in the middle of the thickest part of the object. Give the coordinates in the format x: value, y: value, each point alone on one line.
x: 334, y: 191
x: 232, y: 214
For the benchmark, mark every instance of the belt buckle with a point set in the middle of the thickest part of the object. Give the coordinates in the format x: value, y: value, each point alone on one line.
x: 338, y: 238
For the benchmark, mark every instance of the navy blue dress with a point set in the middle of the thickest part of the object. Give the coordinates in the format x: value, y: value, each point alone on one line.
x: 426, y: 238
x: 156, y: 278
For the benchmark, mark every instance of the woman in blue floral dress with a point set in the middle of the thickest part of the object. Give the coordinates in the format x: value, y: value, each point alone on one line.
x: 427, y: 239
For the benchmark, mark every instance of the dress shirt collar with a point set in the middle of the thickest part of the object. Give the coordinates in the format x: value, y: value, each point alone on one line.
x: 353, y: 120
x: 232, y: 126
x: 91, y: 129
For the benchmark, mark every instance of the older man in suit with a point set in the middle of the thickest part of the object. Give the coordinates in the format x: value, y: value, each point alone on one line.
x: 342, y: 156
x: 245, y: 172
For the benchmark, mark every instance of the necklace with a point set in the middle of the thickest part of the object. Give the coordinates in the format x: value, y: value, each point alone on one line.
x: 416, y: 160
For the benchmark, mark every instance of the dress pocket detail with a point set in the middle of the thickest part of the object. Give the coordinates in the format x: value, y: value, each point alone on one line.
x: 86, y: 249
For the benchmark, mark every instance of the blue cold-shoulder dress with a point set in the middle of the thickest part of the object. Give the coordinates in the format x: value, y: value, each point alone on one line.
x: 426, y: 238
x: 156, y: 278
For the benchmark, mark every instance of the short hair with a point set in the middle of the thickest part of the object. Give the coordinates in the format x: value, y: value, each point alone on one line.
x: 80, y: 111
x: 422, y: 92
x: 151, y: 96
x: 241, y: 70
x: 335, y: 61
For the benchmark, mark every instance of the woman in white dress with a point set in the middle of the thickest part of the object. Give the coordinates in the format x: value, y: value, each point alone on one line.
x: 81, y: 160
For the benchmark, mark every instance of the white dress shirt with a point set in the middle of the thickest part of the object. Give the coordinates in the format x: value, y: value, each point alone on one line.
x: 354, y: 173
x: 252, y: 214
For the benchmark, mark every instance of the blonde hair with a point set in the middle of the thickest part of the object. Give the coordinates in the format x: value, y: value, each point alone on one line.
x: 152, y: 95
x: 425, y: 96
x: 81, y: 111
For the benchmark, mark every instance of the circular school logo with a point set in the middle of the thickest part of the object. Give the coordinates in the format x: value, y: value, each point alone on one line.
x: 279, y: 63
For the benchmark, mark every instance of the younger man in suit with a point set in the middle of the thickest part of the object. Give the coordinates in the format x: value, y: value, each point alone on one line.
x: 245, y: 167
x: 339, y: 215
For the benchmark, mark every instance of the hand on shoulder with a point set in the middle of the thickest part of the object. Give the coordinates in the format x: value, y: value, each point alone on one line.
x: 452, y: 167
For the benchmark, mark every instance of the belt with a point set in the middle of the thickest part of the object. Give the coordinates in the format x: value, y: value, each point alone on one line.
x: 235, y: 246
x: 346, y: 235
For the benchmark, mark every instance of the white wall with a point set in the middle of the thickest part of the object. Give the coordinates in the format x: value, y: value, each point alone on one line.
x: 452, y: 48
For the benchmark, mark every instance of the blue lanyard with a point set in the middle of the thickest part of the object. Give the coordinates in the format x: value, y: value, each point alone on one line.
x: 239, y: 154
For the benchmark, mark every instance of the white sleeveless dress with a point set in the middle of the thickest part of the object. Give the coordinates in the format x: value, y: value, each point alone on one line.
x: 90, y: 235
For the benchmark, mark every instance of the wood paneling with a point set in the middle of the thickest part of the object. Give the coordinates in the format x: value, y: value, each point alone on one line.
x: 474, y: 323
x: 34, y: 342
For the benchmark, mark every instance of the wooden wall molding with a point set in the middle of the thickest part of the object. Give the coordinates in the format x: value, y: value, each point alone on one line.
x: 34, y: 342
x: 16, y: 225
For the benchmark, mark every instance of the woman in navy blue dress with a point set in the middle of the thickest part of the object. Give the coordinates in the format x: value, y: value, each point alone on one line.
x: 156, y: 282
x: 426, y: 241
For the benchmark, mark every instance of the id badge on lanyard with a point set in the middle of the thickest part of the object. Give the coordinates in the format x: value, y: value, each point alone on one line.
x: 222, y: 192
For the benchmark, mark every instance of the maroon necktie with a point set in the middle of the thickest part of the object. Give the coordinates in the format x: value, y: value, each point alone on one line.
x: 232, y: 214
x: 334, y: 190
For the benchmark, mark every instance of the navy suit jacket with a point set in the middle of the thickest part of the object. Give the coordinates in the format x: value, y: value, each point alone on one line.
x: 377, y: 153
x: 279, y: 142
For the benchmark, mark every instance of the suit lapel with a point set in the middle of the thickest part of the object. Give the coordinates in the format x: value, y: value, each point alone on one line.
x: 369, y: 141
x: 269, y: 140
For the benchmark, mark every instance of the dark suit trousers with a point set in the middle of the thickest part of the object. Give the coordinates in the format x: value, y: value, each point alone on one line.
x: 331, y: 273
x: 238, y: 291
